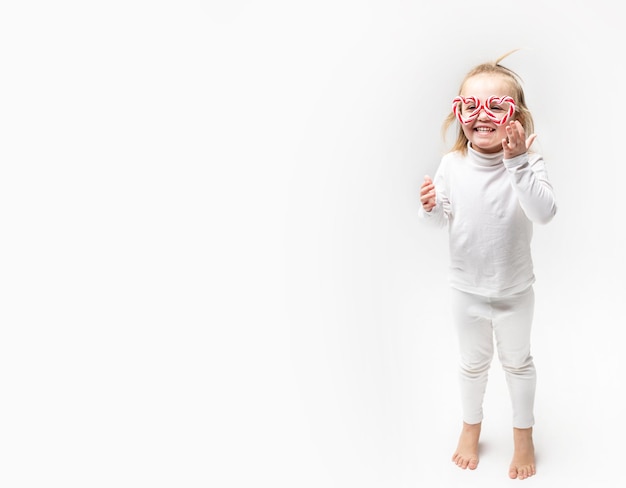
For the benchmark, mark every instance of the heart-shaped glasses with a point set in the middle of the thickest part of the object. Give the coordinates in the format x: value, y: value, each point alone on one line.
x: 498, y: 109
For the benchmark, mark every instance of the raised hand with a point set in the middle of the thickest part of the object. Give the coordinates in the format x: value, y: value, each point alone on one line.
x: 427, y: 194
x: 516, y: 142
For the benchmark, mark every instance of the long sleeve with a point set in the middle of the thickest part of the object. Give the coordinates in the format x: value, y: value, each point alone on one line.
x: 532, y: 187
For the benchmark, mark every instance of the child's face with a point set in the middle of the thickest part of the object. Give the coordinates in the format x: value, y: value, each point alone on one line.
x: 483, y: 133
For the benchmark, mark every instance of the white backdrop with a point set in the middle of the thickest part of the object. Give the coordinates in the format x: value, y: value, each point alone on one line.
x: 212, y: 269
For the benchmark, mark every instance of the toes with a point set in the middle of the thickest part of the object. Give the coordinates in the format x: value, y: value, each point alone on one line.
x: 461, y: 462
x: 521, y: 472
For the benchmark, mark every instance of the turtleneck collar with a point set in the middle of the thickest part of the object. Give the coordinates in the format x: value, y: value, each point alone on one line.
x: 483, y: 159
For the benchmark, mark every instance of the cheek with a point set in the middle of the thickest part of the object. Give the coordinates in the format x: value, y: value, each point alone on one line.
x: 501, y: 131
x: 467, y: 131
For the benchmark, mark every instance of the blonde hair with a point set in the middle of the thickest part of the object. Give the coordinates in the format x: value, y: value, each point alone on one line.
x: 513, y: 79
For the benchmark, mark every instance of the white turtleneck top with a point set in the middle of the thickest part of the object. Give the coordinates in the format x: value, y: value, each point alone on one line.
x: 490, y: 205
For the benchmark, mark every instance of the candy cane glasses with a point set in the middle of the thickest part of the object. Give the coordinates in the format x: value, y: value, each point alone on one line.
x: 498, y: 109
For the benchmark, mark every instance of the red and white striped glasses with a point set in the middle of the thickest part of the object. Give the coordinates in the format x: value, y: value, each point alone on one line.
x: 498, y: 109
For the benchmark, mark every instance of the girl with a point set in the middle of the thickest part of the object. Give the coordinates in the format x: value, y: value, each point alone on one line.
x: 489, y: 190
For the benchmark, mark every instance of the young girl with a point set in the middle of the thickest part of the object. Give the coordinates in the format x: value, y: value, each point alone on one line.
x: 489, y: 190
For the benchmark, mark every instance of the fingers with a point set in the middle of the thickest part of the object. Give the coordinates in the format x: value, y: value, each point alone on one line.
x: 514, y: 133
x: 516, y: 142
x: 427, y: 188
x: 427, y: 194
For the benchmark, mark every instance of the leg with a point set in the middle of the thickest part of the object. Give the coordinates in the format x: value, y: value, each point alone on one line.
x: 512, y: 325
x: 475, y: 337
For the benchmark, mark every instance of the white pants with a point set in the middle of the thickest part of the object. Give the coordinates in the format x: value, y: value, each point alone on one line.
x: 478, y: 319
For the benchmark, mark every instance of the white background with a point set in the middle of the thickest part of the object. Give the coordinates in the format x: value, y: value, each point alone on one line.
x: 211, y: 268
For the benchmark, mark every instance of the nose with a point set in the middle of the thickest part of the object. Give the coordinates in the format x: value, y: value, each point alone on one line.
x: 482, y: 115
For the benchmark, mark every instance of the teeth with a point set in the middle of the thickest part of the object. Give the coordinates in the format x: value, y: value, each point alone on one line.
x: 483, y: 129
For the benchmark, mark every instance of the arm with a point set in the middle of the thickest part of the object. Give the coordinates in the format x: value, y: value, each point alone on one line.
x: 530, y: 179
x: 532, y: 187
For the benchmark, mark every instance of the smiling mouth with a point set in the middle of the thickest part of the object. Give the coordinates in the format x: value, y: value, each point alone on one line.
x: 484, y: 129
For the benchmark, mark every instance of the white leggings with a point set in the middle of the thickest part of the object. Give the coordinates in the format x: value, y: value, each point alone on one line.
x: 477, y: 320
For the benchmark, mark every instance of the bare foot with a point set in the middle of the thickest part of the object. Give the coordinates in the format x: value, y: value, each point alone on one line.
x: 523, y: 464
x: 466, y: 454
